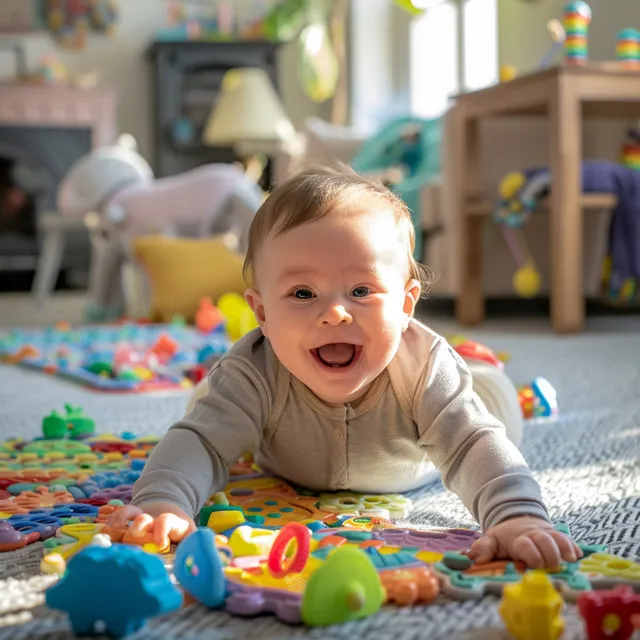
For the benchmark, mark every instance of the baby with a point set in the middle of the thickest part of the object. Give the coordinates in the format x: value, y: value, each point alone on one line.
x: 340, y: 388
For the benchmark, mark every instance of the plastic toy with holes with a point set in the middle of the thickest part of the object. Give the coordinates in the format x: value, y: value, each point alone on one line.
x: 606, y: 571
x: 397, y: 505
x: 277, y: 510
x: 127, y: 586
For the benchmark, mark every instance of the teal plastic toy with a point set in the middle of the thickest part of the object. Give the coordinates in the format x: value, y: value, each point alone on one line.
x: 117, y: 587
x: 346, y: 587
x: 413, y: 144
x: 198, y: 568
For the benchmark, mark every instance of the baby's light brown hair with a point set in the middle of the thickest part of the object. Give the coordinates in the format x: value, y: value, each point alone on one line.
x: 313, y: 194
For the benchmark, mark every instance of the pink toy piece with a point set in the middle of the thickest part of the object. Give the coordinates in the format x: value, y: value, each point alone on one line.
x: 436, y: 541
x: 251, y: 601
x: 248, y: 562
x: 277, y: 563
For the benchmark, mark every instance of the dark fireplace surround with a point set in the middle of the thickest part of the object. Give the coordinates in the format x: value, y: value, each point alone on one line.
x: 43, y: 131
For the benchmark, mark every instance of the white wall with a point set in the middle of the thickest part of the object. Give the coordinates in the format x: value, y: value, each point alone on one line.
x: 121, y: 64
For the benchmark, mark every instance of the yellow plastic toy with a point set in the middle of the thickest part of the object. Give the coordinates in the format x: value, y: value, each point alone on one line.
x: 531, y: 608
x: 250, y: 541
x: 239, y: 318
x: 220, y: 521
x: 526, y: 281
x: 606, y: 565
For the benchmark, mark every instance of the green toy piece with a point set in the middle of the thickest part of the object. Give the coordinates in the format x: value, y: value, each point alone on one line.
x: 54, y: 426
x: 74, y: 424
x: 346, y: 587
x: 79, y: 425
x: 205, y: 512
x: 101, y: 369
x: 127, y: 374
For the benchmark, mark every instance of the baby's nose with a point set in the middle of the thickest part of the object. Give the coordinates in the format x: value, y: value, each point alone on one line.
x: 336, y: 314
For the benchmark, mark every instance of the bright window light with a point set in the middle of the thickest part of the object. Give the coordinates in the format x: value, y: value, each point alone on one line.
x: 480, y: 44
x: 438, y: 38
x: 434, y: 60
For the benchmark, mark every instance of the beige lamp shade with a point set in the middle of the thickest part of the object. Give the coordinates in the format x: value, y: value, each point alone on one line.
x: 249, y: 113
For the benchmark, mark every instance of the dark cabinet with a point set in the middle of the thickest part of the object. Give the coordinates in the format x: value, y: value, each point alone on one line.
x: 186, y: 82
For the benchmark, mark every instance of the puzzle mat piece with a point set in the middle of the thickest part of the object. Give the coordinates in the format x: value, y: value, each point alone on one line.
x: 86, y: 354
x: 253, y: 489
x: 597, y: 570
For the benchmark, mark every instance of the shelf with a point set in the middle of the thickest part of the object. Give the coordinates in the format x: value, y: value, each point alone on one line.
x: 588, y: 201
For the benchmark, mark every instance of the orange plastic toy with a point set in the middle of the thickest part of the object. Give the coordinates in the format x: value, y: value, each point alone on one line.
x: 208, y: 316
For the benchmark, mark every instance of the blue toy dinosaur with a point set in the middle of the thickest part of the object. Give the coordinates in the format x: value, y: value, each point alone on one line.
x: 118, y: 587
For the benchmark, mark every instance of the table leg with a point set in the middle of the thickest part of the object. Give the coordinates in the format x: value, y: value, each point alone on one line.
x: 565, y: 220
x: 470, y: 305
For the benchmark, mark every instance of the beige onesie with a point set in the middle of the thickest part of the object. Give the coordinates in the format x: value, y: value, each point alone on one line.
x: 420, y: 416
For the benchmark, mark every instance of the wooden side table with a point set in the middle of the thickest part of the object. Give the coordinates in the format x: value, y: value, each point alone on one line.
x: 565, y: 95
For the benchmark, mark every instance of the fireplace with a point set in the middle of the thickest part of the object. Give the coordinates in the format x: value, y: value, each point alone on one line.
x: 43, y: 131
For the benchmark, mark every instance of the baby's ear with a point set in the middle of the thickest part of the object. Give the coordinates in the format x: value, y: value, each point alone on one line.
x: 254, y: 300
x: 412, y: 292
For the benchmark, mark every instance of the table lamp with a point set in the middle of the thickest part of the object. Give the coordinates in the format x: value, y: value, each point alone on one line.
x: 249, y: 117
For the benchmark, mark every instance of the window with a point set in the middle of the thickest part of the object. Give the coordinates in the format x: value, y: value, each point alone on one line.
x: 453, y: 48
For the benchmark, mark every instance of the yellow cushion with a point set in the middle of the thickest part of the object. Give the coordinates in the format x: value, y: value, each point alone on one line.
x: 182, y: 271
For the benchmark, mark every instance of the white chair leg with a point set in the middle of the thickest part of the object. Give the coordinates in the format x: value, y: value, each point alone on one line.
x: 48, y: 266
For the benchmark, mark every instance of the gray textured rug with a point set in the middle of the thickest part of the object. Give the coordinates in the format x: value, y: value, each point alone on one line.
x: 588, y: 464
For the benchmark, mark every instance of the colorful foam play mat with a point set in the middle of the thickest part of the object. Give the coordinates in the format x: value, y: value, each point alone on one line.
x: 125, y: 357
x: 263, y: 546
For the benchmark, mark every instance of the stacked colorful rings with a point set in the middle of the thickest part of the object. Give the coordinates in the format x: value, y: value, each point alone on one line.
x: 628, y: 48
x: 576, y: 19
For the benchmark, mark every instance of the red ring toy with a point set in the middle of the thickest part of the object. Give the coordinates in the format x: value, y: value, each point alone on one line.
x: 276, y: 562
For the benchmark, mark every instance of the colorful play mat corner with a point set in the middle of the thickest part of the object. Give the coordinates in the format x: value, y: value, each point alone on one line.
x: 130, y: 355
x: 263, y: 546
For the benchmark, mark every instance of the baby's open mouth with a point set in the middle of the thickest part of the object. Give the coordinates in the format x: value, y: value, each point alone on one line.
x: 337, y: 355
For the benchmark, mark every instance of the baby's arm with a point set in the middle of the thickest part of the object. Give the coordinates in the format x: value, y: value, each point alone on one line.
x: 470, y: 446
x: 191, y: 461
x: 485, y: 469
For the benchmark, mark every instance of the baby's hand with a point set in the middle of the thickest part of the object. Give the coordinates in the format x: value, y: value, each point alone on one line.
x: 526, y: 538
x: 170, y: 523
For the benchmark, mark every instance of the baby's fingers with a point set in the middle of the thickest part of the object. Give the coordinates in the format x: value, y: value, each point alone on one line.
x: 170, y: 528
x: 484, y: 549
x: 121, y: 516
x: 569, y: 550
x: 548, y: 548
x: 526, y: 550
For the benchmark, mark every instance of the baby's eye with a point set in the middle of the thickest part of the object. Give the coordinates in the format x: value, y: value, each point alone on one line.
x: 361, y: 292
x: 302, y: 294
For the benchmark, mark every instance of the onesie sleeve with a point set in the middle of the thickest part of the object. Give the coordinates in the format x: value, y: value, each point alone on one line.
x: 191, y: 461
x: 470, y: 446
